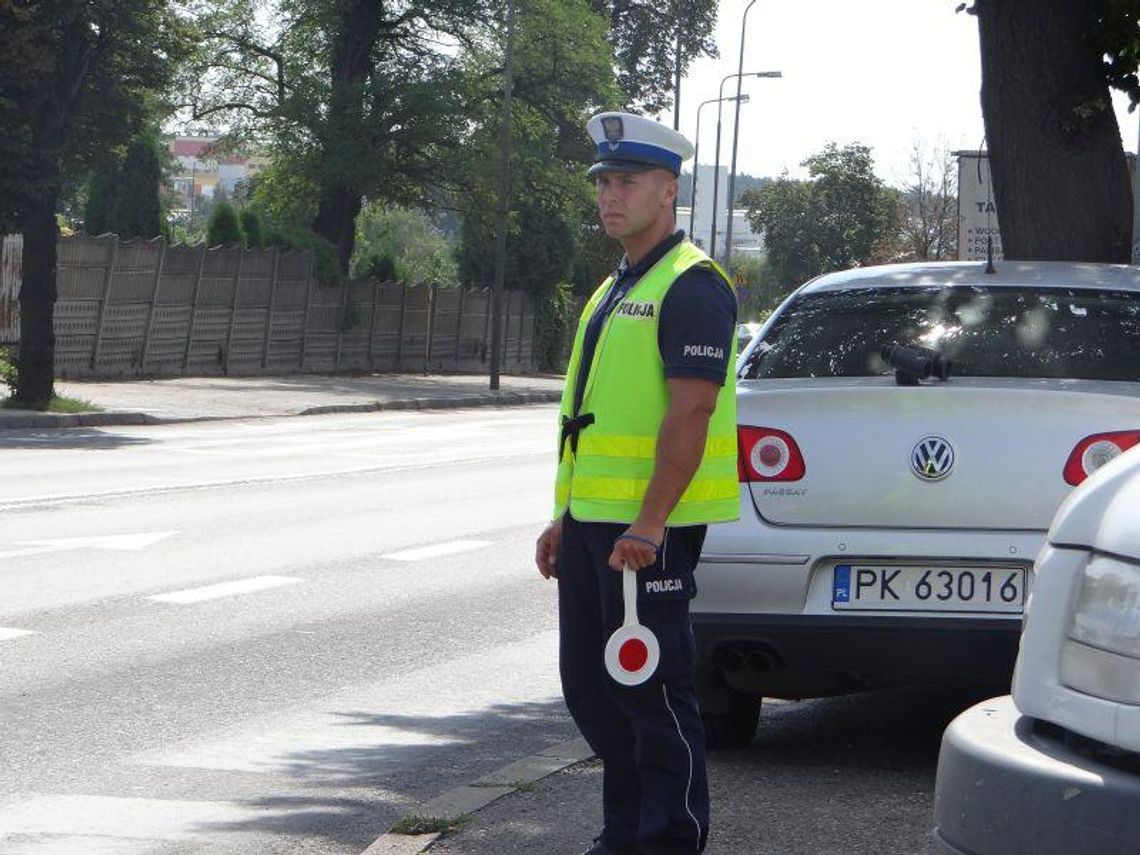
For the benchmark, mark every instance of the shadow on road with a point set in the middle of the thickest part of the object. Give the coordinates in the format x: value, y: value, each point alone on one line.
x: 886, y: 728
x: 413, y: 759
x: 850, y: 775
x: 73, y: 438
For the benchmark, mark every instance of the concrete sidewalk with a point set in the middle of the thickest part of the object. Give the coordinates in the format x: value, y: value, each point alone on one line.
x: 139, y: 402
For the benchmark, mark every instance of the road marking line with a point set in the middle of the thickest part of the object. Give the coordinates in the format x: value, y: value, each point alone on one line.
x: 224, y: 589
x: 7, y: 633
x: 437, y: 550
x: 119, y: 542
x: 404, y: 464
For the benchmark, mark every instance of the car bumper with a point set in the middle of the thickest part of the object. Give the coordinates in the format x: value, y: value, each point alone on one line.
x: 805, y: 655
x: 1008, y: 784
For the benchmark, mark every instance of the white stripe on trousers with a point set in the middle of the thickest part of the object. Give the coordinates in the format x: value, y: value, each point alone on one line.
x: 688, y: 748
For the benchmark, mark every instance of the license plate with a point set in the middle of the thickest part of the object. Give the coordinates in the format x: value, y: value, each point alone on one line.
x: 939, y: 589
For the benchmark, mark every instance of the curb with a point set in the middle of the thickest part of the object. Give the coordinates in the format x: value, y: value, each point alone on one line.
x: 13, y: 420
x: 498, y: 399
x: 457, y: 804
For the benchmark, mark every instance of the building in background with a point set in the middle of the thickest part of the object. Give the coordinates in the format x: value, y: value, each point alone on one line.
x: 744, y: 241
x: 201, y: 169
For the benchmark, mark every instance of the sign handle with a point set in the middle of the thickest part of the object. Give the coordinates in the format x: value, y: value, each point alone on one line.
x: 629, y: 594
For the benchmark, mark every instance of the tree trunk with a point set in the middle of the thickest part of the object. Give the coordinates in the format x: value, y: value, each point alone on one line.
x: 351, y: 65
x: 1060, y: 180
x: 36, y: 360
x: 336, y: 218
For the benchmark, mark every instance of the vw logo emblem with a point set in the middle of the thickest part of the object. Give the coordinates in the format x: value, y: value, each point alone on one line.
x: 932, y: 458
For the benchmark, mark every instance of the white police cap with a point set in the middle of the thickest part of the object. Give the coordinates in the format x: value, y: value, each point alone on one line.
x: 629, y: 143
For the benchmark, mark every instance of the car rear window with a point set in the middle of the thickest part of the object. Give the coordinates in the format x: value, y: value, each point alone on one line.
x: 988, y: 332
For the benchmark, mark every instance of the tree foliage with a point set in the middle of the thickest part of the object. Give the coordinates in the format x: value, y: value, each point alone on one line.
x: 563, y: 74
x: 353, y: 98
x: 842, y: 216
x: 643, y: 36
x: 77, y: 78
x: 124, y: 195
x: 252, y: 226
x: 224, y: 228
x: 929, y: 230
x: 395, y: 243
x: 361, y: 100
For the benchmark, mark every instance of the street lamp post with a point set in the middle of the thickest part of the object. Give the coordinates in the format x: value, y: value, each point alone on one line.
x: 716, y: 161
x: 697, y: 160
x: 735, y: 140
x: 504, y: 202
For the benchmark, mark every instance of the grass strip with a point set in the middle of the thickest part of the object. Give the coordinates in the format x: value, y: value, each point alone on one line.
x: 413, y: 824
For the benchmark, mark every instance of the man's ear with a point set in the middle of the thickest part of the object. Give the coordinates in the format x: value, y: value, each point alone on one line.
x: 672, y: 189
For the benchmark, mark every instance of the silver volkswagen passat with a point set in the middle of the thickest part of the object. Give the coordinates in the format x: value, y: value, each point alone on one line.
x: 906, y: 434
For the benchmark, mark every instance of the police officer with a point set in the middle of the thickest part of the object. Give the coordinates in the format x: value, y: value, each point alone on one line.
x: 647, y: 458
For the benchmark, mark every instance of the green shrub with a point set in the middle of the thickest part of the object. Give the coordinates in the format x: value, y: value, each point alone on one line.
x: 252, y: 227
x: 100, y: 202
x: 384, y: 267
x: 123, y: 193
x: 326, y: 267
x: 419, y: 251
x: 8, y: 370
x: 224, y: 228
x: 555, y: 332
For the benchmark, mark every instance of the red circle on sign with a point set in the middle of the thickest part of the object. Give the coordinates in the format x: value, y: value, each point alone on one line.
x: 633, y: 655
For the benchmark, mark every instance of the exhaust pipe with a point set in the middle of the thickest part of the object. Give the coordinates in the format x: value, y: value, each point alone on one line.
x: 731, y: 660
x: 760, y: 661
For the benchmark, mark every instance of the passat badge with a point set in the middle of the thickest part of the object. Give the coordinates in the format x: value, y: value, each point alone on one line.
x: 932, y: 458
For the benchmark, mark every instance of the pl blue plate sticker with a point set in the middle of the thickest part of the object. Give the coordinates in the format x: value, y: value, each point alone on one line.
x: 841, y: 588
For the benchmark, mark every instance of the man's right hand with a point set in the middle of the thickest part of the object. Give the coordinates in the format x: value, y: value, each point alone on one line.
x: 546, y: 551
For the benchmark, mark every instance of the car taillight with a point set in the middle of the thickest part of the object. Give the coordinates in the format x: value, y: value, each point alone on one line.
x: 768, y: 454
x: 1094, y: 451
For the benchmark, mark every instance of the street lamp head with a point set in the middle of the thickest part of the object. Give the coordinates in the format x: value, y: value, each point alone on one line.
x: 767, y: 74
x: 743, y: 99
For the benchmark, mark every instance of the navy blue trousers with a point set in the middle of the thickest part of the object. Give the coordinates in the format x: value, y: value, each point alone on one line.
x: 649, y: 737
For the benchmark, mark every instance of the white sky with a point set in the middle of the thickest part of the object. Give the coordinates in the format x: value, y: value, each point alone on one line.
x: 881, y: 72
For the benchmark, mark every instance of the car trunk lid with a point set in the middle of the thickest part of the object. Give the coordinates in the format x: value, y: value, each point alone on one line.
x: 874, y: 451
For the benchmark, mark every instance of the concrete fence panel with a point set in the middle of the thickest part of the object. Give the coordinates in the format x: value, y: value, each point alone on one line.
x: 11, y: 277
x: 84, y: 269
x: 388, y: 325
x: 143, y: 308
x: 475, y: 331
x: 417, y: 326
x: 168, y: 334
x: 289, y: 297
x: 446, y: 321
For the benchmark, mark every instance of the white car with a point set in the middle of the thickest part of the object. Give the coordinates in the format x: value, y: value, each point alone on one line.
x: 1055, y: 770
x: 906, y: 434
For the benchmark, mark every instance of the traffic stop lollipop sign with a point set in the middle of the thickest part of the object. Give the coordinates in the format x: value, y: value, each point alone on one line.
x: 632, y: 653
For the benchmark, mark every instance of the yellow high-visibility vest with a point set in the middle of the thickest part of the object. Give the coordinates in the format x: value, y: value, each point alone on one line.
x: 604, y: 470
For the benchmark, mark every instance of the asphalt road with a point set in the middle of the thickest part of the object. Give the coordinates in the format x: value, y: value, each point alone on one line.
x: 278, y: 636
x: 270, y: 636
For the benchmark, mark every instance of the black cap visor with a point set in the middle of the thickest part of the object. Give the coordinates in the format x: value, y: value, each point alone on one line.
x: 624, y: 166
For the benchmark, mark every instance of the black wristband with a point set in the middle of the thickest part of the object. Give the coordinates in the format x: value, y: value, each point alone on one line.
x: 640, y: 539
